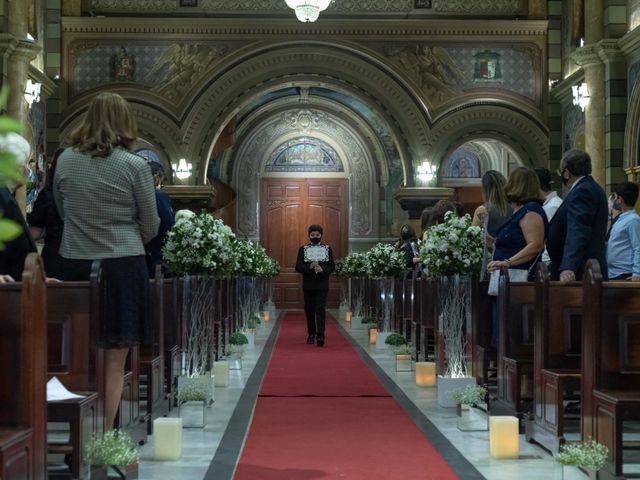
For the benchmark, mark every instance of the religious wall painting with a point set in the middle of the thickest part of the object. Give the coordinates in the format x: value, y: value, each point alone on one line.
x: 573, y: 128
x: 168, y: 69
x: 463, y: 164
x: 487, y: 67
x: 443, y: 72
x: 123, y: 66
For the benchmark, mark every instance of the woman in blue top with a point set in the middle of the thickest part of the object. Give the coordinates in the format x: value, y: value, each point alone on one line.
x: 520, y: 239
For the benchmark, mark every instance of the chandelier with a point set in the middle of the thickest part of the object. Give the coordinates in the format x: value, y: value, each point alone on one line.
x: 308, y: 10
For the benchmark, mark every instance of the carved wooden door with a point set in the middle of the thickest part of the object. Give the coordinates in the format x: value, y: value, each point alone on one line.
x: 288, y: 207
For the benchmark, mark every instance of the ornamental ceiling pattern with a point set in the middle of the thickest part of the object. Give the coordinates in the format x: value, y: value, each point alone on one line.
x: 504, y: 7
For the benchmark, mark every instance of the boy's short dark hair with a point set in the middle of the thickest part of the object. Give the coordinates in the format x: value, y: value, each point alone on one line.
x: 315, y: 228
x: 629, y: 193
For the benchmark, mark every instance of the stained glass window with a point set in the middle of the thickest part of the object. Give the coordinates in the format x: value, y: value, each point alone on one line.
x: 304, y: 154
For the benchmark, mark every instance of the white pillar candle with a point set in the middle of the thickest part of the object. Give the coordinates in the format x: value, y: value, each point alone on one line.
x: 265, y: 315
x: 373, y: 336
x: 221, y: 374
x: 425, y: 374
x: 347, y: 316
x: 503, y: 437
x: 167, y: 438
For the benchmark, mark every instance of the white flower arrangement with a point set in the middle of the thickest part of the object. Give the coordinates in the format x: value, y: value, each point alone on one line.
x: 198, y: 244
x: 384, y: 260
x: 353, y: 265
x: 452, y: 247
x: 252, y: 260
x: 591, y: 455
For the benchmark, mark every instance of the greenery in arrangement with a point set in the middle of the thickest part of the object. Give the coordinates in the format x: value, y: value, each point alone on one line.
x: 452, y: 247
x: 251, y: 323
x: 233, y: 349
x: 238, y: 338
x: 370, y: 320
x: 192, y: 392
x: 253, y: 261
x: 470, y: 395
x: 590, y: 455
x: 198, y: 244
x: 405, y: 349
x: 111, y: 448
x: 8, y: 171
x: 353, y: 265
x: 384, y: 260
x: 395, y: 340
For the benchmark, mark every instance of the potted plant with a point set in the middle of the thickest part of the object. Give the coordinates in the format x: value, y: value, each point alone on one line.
x: 472, y: 408
x: 235, y: 349
x: 192, y: 400
x: 113, y: 450
x: 452, y: 253
x: 590, y: 456
x: 392, y: 339
x: 404, y: 357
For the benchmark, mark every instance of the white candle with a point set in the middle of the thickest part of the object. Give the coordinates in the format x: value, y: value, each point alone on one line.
x: 167, y: 438
x: 425, y: 374
x: 221, y: 374
x: 504, y: 440
x: 347, y: 316
x: 373, y: 336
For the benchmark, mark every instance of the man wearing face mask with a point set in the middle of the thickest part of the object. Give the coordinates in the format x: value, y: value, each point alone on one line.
x: 577, y: 231
x: 315, y: 263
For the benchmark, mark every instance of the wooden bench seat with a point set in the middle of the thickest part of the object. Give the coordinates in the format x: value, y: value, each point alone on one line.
x: 16, y: 453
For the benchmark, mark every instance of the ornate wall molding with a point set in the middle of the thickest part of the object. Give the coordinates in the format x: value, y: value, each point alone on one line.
x: 254, y: 149
x: 337, y: 28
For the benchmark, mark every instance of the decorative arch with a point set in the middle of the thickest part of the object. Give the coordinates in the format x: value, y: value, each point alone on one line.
x: 342, y: 67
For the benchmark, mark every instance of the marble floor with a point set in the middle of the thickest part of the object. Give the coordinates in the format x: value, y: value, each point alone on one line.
x: 223, y: 419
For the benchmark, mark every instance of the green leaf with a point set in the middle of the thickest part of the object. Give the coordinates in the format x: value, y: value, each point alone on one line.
x: 9, y: 230
x: 8, y: 124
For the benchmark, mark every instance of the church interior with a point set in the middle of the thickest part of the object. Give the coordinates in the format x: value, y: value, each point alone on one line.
x: 273, y: 115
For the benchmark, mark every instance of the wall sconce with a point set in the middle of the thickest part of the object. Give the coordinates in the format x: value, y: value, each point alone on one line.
x: 425, y: 374
x: 32, y: 92
x: 427, y: 171
x: 182, y: 169
x: 580, y: 95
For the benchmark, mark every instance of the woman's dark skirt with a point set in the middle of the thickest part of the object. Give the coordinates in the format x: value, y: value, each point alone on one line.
x: 125, y: 315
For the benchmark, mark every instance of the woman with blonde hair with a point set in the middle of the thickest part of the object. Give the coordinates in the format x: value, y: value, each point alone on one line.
x: 105, y: 195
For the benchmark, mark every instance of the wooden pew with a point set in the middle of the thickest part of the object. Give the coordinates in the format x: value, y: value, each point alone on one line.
x: 556, y: 358
x: 610, y: 365
x: 484, y: 355
x: 78, y: 362
x: 515, y: 345
x: 426, y: 326
x: 402, y: 305
x: 23, y: 400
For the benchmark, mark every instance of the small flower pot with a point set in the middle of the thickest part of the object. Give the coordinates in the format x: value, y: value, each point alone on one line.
x: 448, y: 385
x: 192, y: 414
x: 404, y: 363
x: 251, y: 337
x: 472, y: 418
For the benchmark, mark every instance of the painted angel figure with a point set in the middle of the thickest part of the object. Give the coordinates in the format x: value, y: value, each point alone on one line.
x: 123, y: 66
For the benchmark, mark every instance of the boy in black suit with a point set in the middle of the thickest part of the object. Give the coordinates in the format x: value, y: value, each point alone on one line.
x: 315, y: 263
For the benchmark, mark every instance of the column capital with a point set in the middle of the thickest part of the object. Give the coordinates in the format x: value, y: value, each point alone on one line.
x: 586, y: 56
x: 609, y: 51
x: 8, y: 44
x: 27, y: 50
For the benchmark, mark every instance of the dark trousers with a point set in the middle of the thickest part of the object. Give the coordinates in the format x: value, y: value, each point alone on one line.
x: 314, y: 305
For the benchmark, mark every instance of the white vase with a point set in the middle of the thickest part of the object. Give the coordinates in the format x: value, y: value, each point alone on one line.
x: 472, y: 418
x: 404, y: 363
x: 251, y: 337
x: 192, y: 414
x: 448, y: 385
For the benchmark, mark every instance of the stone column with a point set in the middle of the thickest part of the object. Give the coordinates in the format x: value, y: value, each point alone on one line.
x: 594, y: 122
x: 593, y: 21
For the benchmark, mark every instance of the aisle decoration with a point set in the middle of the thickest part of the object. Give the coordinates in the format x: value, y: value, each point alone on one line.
x: 452, y: 252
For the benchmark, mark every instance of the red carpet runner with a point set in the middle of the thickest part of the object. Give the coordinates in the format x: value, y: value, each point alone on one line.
x: 322, y: 414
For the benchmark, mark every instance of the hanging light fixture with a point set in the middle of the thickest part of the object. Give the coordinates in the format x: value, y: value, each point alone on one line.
x: 580, y: 95
x: 427, y: 171
x: 308, y: 10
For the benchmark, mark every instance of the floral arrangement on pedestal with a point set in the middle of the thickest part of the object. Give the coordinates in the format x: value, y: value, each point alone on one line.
x: 354, y: 266
x: 453, y: 253
x: 202, y: 249
x: 198, y: 244
x: 589, y: 455
x: 114, y: 449
x: 384, y: 263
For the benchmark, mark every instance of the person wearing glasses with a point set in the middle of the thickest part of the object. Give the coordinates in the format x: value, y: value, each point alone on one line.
x: 577, y: 231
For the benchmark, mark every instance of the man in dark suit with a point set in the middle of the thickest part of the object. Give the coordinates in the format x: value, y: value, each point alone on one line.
x: 315, y: 263
x: 577, y: 231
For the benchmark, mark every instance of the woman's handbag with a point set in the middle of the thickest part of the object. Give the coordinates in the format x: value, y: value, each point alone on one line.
x: 515, y: 275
